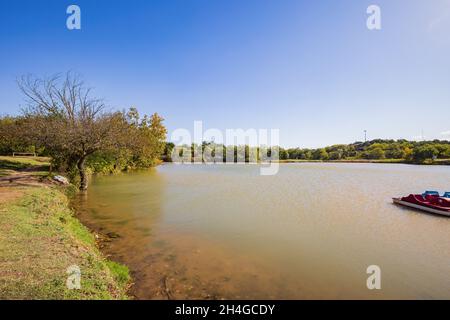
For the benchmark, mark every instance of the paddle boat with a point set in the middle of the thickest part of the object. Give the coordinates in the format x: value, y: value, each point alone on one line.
x: 429, y: 201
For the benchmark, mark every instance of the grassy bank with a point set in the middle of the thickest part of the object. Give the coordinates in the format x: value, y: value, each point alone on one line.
x: 24, y: 162
x: 40, y: 239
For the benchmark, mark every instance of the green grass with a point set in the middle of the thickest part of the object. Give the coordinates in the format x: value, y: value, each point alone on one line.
x: 20, y: 163
x: 40, y: 239
x: 120, y: 272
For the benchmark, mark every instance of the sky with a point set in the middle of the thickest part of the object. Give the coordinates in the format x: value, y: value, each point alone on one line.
x: 311, y: 69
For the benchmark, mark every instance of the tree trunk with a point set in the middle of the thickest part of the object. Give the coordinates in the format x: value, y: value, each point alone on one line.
x: 82, y: 172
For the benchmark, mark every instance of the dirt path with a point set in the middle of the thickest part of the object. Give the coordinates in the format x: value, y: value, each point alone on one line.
x: 8, y: 194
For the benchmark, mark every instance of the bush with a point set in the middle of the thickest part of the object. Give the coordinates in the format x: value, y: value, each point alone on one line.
x: 426, y: 152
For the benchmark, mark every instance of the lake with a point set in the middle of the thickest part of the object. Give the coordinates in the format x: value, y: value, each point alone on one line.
x: 309, y: 232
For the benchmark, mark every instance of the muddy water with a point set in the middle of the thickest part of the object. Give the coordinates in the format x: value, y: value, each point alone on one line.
x: 311, y: 231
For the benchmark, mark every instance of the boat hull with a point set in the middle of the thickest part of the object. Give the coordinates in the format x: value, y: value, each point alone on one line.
x: 422, y: 208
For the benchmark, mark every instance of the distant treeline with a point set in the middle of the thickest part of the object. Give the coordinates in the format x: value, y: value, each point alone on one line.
x: 378, y: 149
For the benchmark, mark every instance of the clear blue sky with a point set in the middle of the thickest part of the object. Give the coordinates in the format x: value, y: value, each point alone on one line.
x: 310, y: 68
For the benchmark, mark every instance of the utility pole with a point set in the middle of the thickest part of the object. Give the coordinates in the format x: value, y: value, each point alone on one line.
x: 365, y: 135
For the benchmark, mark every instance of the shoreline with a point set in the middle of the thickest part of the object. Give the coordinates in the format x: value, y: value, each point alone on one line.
x: 441, y: 162
x: 39, y: 227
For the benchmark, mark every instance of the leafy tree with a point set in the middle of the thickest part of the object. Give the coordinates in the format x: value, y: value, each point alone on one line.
x: 335, y: 155
x: 320, y: 154
x: 375, y: 153
x: 425, y: 152
x: 75, y: 128
x: 150, y: 138
x: 283, y: 154
x: 168, y: 148
x: 11, y: 137
x: 395, y: 152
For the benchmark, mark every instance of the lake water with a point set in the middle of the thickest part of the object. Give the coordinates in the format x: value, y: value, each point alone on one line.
x: 311, y: 231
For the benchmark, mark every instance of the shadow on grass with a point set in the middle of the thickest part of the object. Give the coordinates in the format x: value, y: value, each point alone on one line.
x: 19, y: 166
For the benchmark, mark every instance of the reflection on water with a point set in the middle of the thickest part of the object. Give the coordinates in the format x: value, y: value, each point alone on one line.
x: 224, y: 231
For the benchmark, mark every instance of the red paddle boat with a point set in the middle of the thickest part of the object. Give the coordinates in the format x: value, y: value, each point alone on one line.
x: 430, y: 201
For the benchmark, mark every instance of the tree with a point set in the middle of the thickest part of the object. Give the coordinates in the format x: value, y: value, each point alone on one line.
x: 335, y: 155
x: 284, y: 154
x: 64, y: 118
x: 376, y: 153
x: 424, y: 152
x: 444, y: 151
x: 320, y: 154
x: 395, y: 152
x: 149, y: 137
x: 168, y: 148
x: 11, y: 140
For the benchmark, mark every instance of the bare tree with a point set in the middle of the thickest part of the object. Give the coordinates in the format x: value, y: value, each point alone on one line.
x: 68, y: 121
